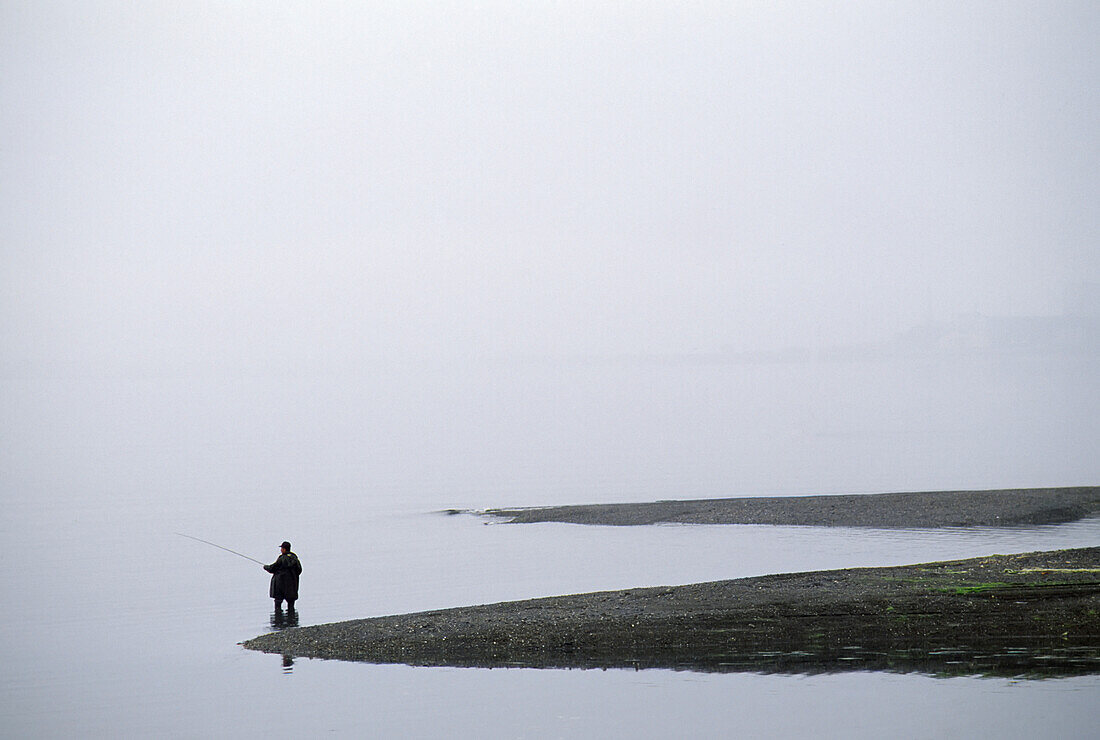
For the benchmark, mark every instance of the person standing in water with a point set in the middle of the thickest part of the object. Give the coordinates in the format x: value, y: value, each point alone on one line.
x: 284, y: 578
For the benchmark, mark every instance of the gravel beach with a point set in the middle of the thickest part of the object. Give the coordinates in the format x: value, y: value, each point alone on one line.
x: 997, y: 508
x: 1030, y: 614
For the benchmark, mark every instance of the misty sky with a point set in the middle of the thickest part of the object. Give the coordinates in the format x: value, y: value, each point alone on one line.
x: 231, y: 183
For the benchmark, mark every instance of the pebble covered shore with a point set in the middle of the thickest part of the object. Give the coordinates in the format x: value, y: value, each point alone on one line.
x: 1025, y: 614
x: 925, y: 509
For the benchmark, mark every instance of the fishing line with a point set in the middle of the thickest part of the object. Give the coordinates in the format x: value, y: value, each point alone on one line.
x: 213, y: 544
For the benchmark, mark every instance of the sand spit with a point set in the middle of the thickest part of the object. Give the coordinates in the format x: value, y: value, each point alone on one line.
x: 1000, y: 508
x: 1031, y: 614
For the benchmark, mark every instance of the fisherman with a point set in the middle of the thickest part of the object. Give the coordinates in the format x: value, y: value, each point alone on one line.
x: 284, y: 578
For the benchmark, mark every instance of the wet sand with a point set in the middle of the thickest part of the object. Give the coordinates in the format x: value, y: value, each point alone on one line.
x: 997, y: 508
x: 1030, y: 614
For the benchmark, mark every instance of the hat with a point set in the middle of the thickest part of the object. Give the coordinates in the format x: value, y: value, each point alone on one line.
x: 285, y: 544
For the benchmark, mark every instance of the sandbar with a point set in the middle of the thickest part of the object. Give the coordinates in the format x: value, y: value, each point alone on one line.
x: 1027, y: 615
x: 921, y: 509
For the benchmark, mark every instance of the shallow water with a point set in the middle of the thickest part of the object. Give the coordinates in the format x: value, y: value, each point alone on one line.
x: 116, y: 626
x: 137, y: 633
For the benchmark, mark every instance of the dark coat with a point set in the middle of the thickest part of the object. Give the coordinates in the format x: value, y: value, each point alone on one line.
x: 284, y: 577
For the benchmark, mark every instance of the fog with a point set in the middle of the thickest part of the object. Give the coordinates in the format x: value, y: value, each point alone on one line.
x: 556, y: 250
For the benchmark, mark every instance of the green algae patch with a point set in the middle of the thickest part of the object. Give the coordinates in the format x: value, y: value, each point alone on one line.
x: 979, y: 588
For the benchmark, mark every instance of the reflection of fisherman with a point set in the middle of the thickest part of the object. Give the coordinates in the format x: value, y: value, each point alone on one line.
x: 284, y: 577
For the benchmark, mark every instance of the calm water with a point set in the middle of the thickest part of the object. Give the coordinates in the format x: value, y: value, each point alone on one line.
x: 116, y: 626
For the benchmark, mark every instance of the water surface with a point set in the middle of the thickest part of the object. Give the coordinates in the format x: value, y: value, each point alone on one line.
x: 117, y: 626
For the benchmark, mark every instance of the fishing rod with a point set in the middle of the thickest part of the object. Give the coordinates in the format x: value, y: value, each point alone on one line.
x: 254, y: 560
